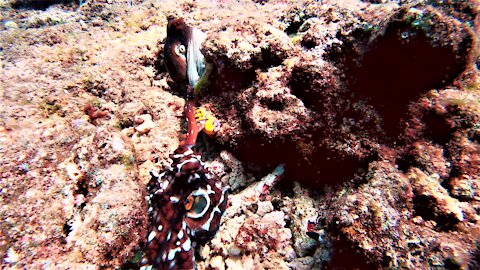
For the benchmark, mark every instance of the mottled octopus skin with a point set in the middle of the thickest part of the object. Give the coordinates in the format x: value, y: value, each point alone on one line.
x: 185, y: 200
x: 178, y: 33
x: 173, y: 230
x: 184, y: 60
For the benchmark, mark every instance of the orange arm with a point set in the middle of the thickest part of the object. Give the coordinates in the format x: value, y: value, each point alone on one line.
x: 192, y: 132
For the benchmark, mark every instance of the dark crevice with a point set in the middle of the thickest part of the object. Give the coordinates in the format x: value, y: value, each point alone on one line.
x: 426, y: 207
x: 437, y: 128
x: 309, y: 43
x: 322, y: 168
x: 447, y: 185
x: 252, y: 207
x: 405, y: 162
x: 315, y: 91
x: 446, y: 222
x: 299, y: 83
x: 67, y: 227
x: 346, y: 256
x: 270, y: 58
x: 474, y: 135
x: 452, y: 264
x: 396, y: 71
x: 475, y: 257
x: 109, y: 256
x: 275, y: 104
x: 261, y: 2
x: 82, y: 189
x: 294, y: 26
x: 158, y: 62
x: 423, y: 206
x: 125, y: 123
x: 225, y: 77
x: 277, y: 205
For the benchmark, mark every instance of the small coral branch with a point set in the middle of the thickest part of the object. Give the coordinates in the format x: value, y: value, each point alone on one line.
x: 255, y: 193
x: 267, y: 183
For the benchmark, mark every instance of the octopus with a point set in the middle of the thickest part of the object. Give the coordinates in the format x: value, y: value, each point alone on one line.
x: 185, y: 200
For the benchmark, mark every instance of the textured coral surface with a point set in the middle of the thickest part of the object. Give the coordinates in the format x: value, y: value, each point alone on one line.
x: 373, y: 107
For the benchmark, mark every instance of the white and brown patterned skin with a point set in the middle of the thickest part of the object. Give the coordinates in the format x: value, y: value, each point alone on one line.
x: 184, y: 60
x: 174, y: 227
x: 185, y: 200
x: 175, y: 51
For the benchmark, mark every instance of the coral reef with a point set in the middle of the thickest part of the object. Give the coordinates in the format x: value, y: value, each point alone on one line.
x: 373, y: 107
x: 251, y: 237
x: 342, y: 89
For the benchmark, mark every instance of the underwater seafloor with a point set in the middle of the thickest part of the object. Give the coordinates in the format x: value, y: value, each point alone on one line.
x: 373, y: 107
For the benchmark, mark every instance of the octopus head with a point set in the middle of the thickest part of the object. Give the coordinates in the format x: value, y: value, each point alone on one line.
x: 183, y: 58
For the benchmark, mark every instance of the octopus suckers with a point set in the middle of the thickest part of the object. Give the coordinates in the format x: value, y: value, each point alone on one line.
x: 164, y: 185
x: 151, y: 236
x: 187, y: 245
x: 171, y: 253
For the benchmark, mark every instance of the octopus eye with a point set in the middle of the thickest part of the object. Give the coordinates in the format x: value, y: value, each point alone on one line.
x: 180, y: 50
x: 197, y: 204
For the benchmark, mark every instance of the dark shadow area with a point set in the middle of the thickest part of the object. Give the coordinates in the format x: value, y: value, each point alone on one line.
x: 41, y: 4
x: 452, y: 264
x: 405, y: 162
x: 425, y: 206
x: 227, y: 78
x: 262, y: 2
x: 315, y: 92
x: 323, y: 168
x: 346, y: 257
x: 158, y: 63
x: 270, y: 58
x: 474, y: 135
x: 309, y: 42
x: 67, y: 227
x: 437, y: 128
x: 399, y: 67
x: 475, y: 258
x: 294, y: 26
